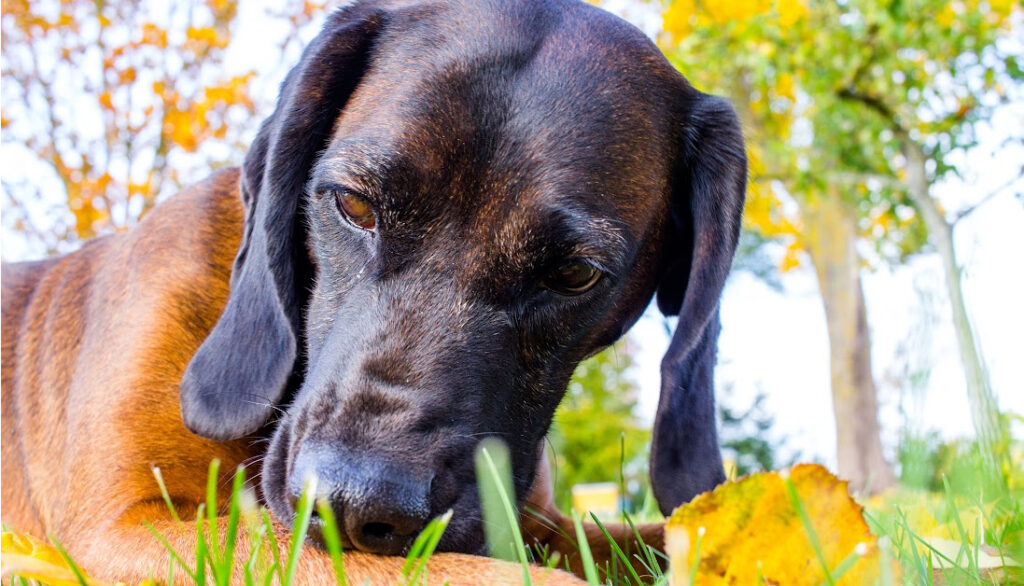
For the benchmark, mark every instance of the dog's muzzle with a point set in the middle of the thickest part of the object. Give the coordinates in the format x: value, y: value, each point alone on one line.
x: 379, y: 506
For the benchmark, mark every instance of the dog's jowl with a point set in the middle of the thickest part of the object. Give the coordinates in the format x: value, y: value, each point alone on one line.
x: 451, y: 206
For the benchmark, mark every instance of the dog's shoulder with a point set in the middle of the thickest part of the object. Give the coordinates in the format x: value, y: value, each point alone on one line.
x: 201, y: 223
x: 181, y: 254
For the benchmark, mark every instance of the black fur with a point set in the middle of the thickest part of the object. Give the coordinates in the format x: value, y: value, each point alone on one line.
x: 710, y: 184
x: 241, y: 371
x: 494, y: 139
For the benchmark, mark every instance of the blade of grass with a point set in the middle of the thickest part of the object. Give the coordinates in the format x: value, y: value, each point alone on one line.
x: 332, y: 539
x: 923, y: 570
x: 812, y: 536
x: 972, y: 565
x: 618, y: 550
x: 696, y: 556
x: 275, y: 568
x: 211, y: 512
x: 165, y: 494
x: 303, y: 513
x: 586, y: 557
x: 256, y: 539
x: 170, y: 550
x: 79, y: 575
x: 621, y: 503
x: 425, y: 544
x: 495, y: 485
x: 202, y: 550
x: 884, y: 545
x: 933, y: 551
x: 651, y: 564
x: 493, y: 481
x: 227, y: 562
x: 844, y: 566
x: 977, y: 544
x: 274, y: 549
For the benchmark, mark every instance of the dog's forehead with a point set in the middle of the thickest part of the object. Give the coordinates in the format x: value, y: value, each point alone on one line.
x: 559, y: 95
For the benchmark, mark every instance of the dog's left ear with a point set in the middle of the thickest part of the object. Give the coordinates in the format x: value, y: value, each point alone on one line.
x: 242, y: 370
x: 703, y: 227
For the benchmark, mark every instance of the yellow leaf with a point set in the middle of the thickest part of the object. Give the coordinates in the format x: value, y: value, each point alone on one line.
x: 106, y: 100
x: 180, y: 128
x: 946, y: 17
x: 154, y: 35
x: 736, y: 10
x: 1002, y: 8
x: 206, y: 36
x: 748, y: 532
x: 25, y: 556
x: 791, y: 259
x: 678, y: 19
x: 790, y: 11
x: 784, y: 86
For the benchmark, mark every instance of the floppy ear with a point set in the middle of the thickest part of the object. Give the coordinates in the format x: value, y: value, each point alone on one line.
x: 707, y: 201
x: 242, y: 369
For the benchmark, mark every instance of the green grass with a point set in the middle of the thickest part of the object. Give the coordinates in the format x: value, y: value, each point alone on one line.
x: 972, y: 509
x: 980, y: 518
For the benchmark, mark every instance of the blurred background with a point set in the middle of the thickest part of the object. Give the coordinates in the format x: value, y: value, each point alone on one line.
x: 875, y: 318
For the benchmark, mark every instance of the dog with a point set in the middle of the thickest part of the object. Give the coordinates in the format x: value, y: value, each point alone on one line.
x: 451, y: 206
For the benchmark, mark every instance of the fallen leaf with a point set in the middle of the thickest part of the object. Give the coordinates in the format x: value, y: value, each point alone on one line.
x: 752, y: 532
x: 25, y: 556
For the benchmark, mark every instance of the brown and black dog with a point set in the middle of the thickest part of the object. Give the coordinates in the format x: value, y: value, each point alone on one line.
x: 452, y: 205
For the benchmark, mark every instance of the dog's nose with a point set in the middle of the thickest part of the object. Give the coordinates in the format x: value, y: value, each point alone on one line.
x: 380, y: 506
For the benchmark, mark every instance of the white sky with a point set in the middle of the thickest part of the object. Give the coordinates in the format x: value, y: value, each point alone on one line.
x: 777, y: 343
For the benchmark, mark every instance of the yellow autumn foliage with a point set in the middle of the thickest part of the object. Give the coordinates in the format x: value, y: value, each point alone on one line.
x: 749, y: 532
x: 682, y: 15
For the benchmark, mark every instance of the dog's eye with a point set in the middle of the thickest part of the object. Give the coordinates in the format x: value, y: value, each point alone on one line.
x: 354, y: 207
x: 572, y: 277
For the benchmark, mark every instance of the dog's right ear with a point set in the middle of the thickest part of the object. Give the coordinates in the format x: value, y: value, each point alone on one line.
x: 240, y: 373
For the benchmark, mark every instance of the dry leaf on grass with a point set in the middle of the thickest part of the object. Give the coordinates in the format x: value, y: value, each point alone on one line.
x: 749, y: 532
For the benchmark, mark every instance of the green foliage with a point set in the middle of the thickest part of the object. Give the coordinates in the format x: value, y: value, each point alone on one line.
x: 927, y: 462
x: 746, y: 435
x: 950, y: 495
x: 831, y: 93
x: 918, y: 456
x: 596, y: 434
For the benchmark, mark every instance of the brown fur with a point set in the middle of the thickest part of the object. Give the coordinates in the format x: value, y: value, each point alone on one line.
x: 94, y: 346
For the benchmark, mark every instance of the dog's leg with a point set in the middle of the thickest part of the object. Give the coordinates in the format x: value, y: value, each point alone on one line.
x: 545, y: 525
x: 128, y: 551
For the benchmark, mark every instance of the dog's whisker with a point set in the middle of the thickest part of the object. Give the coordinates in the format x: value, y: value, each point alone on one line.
x: 273, y: 407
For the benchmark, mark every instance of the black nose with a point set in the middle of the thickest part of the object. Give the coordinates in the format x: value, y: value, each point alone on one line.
x: 380, y: 506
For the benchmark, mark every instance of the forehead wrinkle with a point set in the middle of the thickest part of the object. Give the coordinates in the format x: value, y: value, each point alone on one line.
x: 364, y: 161
x: 532, y: 232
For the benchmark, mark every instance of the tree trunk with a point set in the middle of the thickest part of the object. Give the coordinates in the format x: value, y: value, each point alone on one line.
x: 831, y: 241
x: 984, y: 410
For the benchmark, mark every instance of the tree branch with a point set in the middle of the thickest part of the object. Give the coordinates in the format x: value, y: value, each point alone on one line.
x: 971, y: 208
x: 875, y: 104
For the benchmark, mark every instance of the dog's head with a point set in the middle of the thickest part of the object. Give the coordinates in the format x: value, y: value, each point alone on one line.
x: 452, y: 205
